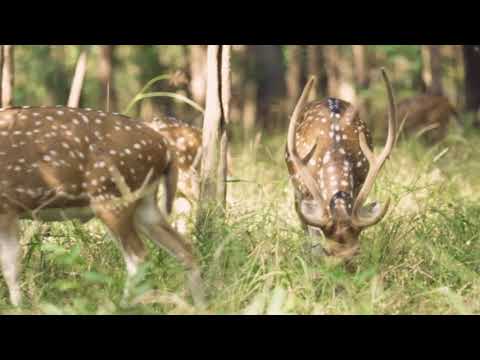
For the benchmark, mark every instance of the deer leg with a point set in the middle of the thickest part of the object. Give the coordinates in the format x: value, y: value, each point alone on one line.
x: 10, y: 256
x: 121, y: 226
x: 149, y: 220
x: 188, y: 193
x: 183, y: 209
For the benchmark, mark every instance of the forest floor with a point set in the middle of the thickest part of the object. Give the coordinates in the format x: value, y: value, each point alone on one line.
x: 423, y: 258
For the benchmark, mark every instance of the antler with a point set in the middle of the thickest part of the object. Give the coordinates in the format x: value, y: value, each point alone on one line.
x: 302, y: 170
x: 375, y: 165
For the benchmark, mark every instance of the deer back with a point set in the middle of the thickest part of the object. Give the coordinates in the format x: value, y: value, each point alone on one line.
x: 65, y: 157
x: 336, y: 162
x: 425, y: 110
x: 186, y: 140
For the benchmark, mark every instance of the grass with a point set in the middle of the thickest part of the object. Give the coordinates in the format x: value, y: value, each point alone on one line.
x: 423, y: 258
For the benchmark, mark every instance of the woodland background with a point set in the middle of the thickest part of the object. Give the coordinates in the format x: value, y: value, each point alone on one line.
x: 266, y: 79
x: 424, y: 257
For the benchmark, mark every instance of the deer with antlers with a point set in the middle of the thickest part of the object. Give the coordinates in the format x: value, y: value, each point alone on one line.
x: 426, y: 116
x: 60, y: 163
x: 333, y: 168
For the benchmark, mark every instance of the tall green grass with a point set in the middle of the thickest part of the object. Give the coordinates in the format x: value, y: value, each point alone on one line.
x: 423, y: 258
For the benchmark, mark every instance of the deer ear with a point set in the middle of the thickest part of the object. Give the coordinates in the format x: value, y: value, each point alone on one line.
x: 370, y: 210
x: 312, y: 209
x: 307, y: 157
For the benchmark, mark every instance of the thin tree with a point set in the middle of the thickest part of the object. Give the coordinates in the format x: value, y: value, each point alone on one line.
x: 316, y: 67
x: 471, y: 55
x: 340, y: 73
x: 198, y: 73
x: 1, y: 67
x: 249, y: 111
x: 78, y: 77
x: 249, y: 91
x: 57, y: 81
x: 459, y: 75
x: 294, y: 73
x: 360, y: 65
x: 215, y: 144
x: 8, y: 71
x: 331, y: 56
x: 226, y: 95
x: 271, y: 86
x: 105, y: 75
x: 432, y: 69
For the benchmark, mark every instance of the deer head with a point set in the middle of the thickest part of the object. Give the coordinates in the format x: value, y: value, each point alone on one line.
x: 329, y: 157
x: 62, y: 160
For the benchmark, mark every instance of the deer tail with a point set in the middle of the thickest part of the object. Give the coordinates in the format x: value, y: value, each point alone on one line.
x: 170, y: 180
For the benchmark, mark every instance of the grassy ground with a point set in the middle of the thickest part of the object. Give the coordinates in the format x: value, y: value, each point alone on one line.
x: 423, y: 258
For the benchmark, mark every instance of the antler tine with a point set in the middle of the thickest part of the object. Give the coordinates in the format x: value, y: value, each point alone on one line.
x: 303, y: 172
x: 376, y: 163
x: 320, y: 219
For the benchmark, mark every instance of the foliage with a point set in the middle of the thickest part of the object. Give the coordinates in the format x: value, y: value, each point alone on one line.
x: 421, y: 259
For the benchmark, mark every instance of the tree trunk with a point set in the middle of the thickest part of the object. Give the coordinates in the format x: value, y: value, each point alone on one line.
x: 315, y: 68
x: 471, y: 54
x: 214, y: 129
x: 249, y: 112
x: 238, y: 87
x: 294, y: 74
x: 437, y: 72
x: 198, y: 73
x: 339, y: 74
x: 1, y: 67
x: 331, y: 56
x: 360, y: 65
x: 432, y: 69
x: 8, y: 71
x: 459, y: 76
x: 270, y: 72
x: 105, y: 74
x: 225, y: 94
x: 77, y: 82
x: 248, y: 91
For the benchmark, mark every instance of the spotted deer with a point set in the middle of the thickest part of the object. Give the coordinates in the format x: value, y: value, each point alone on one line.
x: 186, y: 140
x: 61, y: 163
x: 333, y: 168
x: 426, y: 116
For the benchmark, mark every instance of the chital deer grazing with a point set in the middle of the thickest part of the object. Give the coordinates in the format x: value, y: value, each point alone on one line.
x: 427, y: 116
x: 64, y: 162
x: 333, y: 170
x: 187, y: 142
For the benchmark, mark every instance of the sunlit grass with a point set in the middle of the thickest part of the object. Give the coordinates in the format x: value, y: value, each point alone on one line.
x: 423, y: 258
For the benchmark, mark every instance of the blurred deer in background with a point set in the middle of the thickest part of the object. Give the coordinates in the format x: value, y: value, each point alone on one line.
x: 186, y: 141
x: 60, y: 163
x: 426, y: 116
x: 333, y: 168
